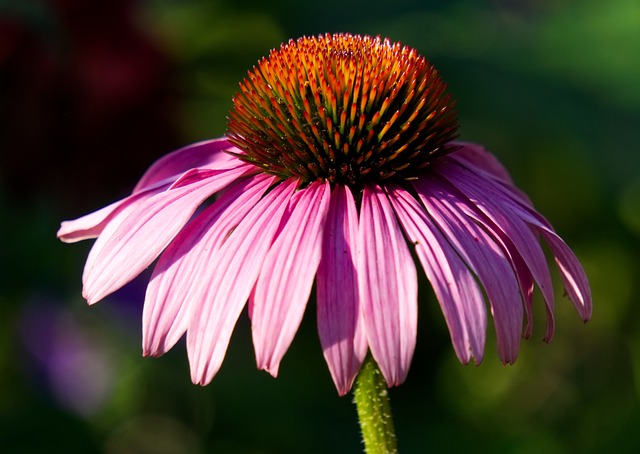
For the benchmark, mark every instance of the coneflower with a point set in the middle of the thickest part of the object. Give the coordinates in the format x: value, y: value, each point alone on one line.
x: 338, y: 162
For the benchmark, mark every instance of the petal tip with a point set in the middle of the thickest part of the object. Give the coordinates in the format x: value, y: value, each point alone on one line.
x: 270, y: 369
x: 90, y: 297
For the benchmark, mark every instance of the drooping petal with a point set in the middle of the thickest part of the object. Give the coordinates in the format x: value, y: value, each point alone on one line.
x: 481, y: 159
x: 527, y: 286
x: 209, y: 154
x: 480, y: 162
x: 170, y: 297
x: 340, y: 324
x: 495, y: 213
x: 284, y: 283
x: 454, y: 285
x: 87, y: 226
x: 387, y: 283
x: 134, y: 238
x: 573, y: 276
x: 226, y: 284
x: 485, y: 258
x: 572, y: 273
x: 92, y: 224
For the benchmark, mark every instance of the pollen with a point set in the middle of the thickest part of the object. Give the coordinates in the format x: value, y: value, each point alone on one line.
x: 344, y: 108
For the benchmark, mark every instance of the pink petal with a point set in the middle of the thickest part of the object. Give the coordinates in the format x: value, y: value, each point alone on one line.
x: 478, y: 157
x: 92, y: 224
x: 226, y: 284
x: 527, y: 286
x: 170, y: 300
x: 573, y: 276
x: 388, y: 286
x: 136, y: 236
x: 287, y: 275
x: 87, y: 226
x: 340, y: 324
x: 453, y: 283
x: 485, y: 258
x: 480, y: 162
x: 498, y: 217
x: 208, y: 154
x: 572, y: 273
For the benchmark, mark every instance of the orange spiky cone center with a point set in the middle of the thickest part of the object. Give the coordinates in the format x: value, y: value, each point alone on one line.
x: 342, y: 108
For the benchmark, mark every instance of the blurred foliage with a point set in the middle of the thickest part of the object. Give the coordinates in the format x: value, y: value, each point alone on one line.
x: 93, y: 91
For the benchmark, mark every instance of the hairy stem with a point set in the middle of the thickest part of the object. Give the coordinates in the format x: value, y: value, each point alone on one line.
x: 374, y: 411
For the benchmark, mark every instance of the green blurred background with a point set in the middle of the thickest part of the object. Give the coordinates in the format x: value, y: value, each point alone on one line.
x: 91, y: 92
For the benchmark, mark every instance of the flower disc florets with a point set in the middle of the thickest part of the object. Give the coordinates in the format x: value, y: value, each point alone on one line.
x: 343, y: 108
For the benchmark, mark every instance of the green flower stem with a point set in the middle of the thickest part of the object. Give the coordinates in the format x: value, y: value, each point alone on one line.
x: 374, y: 411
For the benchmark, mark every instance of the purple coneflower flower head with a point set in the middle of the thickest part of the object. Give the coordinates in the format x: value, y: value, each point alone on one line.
x: 338, y: 163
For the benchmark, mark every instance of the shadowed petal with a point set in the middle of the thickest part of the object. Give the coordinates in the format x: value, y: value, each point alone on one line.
x: 226, y: 285
x: 573, y: 276
x: 572, y: 273
x: 478, y: 157
x: 169, y: 299
x: 453, y: 283
x: 340, y: 325
x: 527, y: 286
x: 495, y: 213
x: 479, y: 161
x: 134, y: 238
x: 388, y: 286
x: 485, y: 258
x: 284, y: 284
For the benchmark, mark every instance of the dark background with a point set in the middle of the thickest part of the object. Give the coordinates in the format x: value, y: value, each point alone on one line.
x: 92, y: 92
